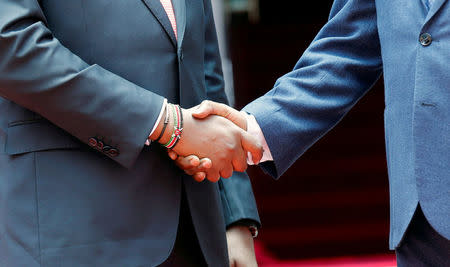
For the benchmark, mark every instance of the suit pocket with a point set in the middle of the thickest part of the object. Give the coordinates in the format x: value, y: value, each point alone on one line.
x: 37, y: 135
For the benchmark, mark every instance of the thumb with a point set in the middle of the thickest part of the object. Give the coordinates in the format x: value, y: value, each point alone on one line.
x: 208, y: 107
x: 203, y: 110
x: 172, y: 154
x: 250, y: 144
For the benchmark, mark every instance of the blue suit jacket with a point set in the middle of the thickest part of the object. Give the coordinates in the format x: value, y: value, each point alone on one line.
x: 81, y: 85
x: 362, y: 40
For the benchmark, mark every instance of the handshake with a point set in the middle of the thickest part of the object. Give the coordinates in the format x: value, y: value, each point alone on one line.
x: 211, y: 140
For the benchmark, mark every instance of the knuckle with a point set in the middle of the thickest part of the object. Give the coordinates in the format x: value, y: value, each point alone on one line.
x: 180, y: 161
x: 199, y: 177
x: 230, y: 148
x: 226, y: 175
x: 184, y: 166
x: 241, y: 168
x: 227, y: 172
x: 179, y: 165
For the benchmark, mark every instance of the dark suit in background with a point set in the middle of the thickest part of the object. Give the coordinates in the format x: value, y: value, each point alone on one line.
x: 82, y: 84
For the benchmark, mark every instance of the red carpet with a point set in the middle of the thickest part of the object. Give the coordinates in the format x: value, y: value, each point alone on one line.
x: 265, y: 259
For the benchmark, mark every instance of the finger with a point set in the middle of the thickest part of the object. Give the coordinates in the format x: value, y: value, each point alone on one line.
x: 227, y: 171
x: 213, y: 175
x: 199, y: 176
x: 205, y: 163
x: 194, y: 160
x: 250, y: 144
x: 172, y: 154
x: 237, y: 117
x: 240, y: 161
x: 187, y: 163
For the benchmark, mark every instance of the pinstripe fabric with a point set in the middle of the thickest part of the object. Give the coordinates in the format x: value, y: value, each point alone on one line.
x: 168, y: 7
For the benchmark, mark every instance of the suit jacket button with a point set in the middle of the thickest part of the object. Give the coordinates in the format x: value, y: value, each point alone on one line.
x: 92, y: 142
x: 113, y: 152
x: 425, y: 39
x: 181, y: 55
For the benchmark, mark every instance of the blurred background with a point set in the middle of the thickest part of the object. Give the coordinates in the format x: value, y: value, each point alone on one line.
x: 333, y: 203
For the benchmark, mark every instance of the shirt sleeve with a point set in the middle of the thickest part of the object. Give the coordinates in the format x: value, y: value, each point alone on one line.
x: 254, y: 129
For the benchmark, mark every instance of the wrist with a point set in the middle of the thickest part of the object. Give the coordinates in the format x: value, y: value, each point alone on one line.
x: 248, y: 224
x: 160, y: 127
x: 183, y: 116
x: 240, y: 230
x: 163, y: 131
x: 177, y: 127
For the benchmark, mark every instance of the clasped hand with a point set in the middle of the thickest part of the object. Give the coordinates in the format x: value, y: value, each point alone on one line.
x: 214, y: 142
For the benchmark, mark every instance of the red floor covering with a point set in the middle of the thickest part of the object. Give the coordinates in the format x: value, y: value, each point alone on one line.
x: 265, y: 259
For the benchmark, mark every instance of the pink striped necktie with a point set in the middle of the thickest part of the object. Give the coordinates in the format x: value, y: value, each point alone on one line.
x: 167, y: 4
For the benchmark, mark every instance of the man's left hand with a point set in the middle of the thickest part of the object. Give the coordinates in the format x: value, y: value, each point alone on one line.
x: 241, y: 250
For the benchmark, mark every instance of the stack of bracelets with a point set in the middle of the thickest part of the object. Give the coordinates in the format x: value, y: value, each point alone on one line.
x: 177, y: 126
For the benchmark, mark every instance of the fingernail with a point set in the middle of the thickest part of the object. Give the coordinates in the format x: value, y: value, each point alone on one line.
x: 206, y: 165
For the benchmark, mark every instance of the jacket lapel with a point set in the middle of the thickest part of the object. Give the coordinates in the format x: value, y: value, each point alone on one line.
x: 434, y: 8
x: 180, y: 14
x: 158, y: 11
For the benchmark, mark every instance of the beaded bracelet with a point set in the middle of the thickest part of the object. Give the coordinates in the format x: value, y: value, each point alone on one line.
x: 179, y: 130
x: 172, y: 109
x: 166, y: 121
x: 178, y: 127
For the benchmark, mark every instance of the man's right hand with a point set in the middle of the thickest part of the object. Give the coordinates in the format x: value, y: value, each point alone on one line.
x: 219, y: 140
x: 195, y: 165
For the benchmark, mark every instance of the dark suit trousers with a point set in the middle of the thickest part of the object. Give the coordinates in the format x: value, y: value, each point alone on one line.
x: 186, y: 251
x: 422, y: 245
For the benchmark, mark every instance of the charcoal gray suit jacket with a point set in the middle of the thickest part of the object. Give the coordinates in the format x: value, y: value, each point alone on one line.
x: 82, y: 84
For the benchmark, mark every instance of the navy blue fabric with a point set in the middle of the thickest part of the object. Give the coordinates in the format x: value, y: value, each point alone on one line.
x: 75, y: 70
x: 422, y: 245
x: 362, y: 40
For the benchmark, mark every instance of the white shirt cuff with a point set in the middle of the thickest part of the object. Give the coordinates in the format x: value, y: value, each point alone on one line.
x: 148, y: 141
x: 254, y: 130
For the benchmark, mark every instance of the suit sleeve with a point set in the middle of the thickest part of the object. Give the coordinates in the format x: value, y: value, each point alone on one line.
x: 335, y: 71
x: 37, y: 72
x: 236, y: 192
